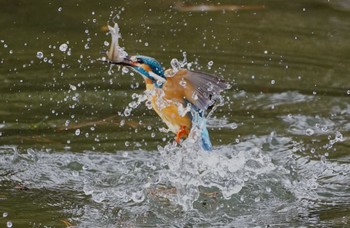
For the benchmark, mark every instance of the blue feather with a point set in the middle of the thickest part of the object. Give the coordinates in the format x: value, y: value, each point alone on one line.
x: 153, y: 64
x: 199, y: 122
x: 206, y: 143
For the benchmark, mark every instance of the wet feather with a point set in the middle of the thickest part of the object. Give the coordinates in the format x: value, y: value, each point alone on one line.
x: 200, y: 89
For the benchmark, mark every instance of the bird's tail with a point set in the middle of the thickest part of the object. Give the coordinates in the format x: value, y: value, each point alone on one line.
x: 199, y: 123
x: 206, y: 143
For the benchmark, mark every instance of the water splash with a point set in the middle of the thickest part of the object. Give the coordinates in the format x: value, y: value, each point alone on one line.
x: 63, y: 47
x: 177, y: 65
x: 137, y: 100
x: 259, y: 177
x: 39, y: 55
x: 226, y: 170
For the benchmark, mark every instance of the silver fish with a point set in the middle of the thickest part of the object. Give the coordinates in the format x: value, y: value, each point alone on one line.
x: 116, y: 54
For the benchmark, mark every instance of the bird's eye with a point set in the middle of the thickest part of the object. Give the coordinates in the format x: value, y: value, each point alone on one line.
x: 139, y: 60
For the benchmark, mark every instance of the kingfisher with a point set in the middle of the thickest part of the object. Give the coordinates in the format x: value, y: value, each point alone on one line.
x: 181, y: 97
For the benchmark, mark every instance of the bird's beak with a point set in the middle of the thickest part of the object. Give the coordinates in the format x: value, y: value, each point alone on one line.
x: 125, y: 62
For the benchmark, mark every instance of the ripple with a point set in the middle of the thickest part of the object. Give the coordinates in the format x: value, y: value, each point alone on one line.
x: 309, y: 125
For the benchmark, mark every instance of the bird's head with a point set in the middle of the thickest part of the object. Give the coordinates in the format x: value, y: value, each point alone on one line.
x: 146, y: 66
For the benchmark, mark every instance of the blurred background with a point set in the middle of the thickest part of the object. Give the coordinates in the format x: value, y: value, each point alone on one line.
x: 74, y: 148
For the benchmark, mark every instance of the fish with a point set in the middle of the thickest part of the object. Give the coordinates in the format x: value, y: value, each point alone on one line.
x: 116, y: 54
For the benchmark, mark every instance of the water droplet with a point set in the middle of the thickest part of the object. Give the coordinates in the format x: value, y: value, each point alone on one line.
x: 268, y: 189
x: 73, y: 87
x: 76, y: 97
x: 210, y: 86
x: 59, y: 9
x: 63, y: 47
x: 148, y: 104
x: 5, y: 214
x: 159, y: 83
x: 338, y: 136
x: 257, y: 199
x: 233, y: 125
x: 183, y: 82
x: 125, y: 70
x: 175, y: 64
x: 138, y: 197
x: 273, y: 82
x: 127, y: 112
x: 9, y: 224
x: 146, y: 44
x: 106, y: 43
x: 195, y: 95
x: 77, y: 132
x: 309, y: 132
x: 39, y: 55
x: 210, y: 63
x: 133, y: 104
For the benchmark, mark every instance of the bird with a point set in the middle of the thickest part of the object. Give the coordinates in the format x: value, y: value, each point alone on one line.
x: 180, y: 97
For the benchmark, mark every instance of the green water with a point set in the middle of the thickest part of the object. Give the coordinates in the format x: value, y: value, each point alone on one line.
x: 287, y: 62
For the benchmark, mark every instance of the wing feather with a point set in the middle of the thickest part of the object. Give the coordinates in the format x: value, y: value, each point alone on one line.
x: 201, y: 89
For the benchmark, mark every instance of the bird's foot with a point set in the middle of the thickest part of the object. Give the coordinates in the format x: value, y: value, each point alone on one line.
x: 67, y: 224
x: 181, y: 133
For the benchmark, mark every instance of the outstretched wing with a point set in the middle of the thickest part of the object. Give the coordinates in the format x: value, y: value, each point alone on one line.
x: 201, y: 89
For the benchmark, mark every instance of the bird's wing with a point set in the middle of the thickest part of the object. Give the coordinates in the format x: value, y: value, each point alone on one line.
x: 199, y: 88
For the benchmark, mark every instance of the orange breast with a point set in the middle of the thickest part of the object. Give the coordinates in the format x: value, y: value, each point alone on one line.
x: 167, y: 109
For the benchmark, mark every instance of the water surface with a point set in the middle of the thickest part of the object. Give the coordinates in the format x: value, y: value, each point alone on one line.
x: 69, y: 152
